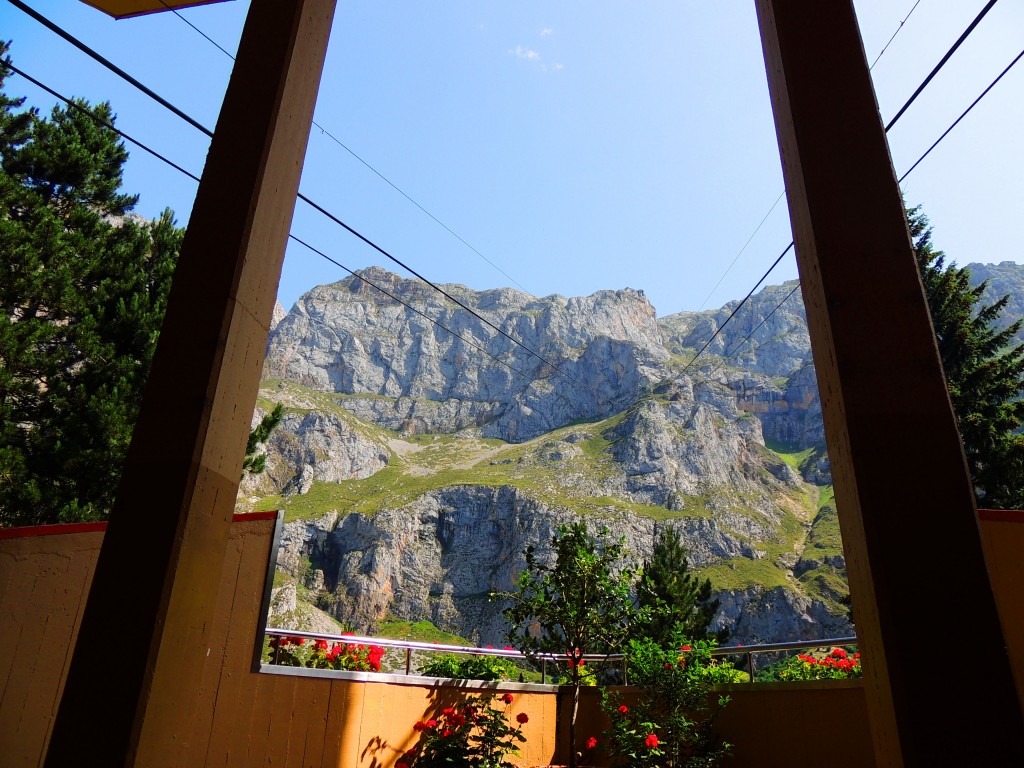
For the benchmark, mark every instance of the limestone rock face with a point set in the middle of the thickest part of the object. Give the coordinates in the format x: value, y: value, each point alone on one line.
x: 576, y: 358
x: 310, y: 447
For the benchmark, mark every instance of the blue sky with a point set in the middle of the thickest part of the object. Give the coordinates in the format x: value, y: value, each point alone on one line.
x: 577, y: 145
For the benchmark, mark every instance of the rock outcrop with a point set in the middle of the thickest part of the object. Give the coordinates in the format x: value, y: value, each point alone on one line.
x: 423, y: 450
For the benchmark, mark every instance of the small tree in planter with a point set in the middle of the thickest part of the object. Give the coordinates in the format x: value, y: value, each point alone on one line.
x: 579, y: 605
x: 672, y: 722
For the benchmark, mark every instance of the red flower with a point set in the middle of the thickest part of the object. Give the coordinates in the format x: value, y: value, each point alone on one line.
x: 447, y: 711
x: 623, y: 709
x: 507, y: 698
x: 420, y: 726
x: 522, y: 718
x: 401, y: 765
x: 651, y: 741
x: 321, y: 645
x: 446, y: 733
x: 686, y: 648
x: 591, y: 742
x: 431, y: 723
x: 838, y: 653
x: 667, y: 665
x: 457, y: 719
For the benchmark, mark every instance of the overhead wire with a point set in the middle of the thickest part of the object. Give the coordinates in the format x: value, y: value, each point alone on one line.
x: 891, y: 123
x: 112, y: 67
x: 894, y: 34
x: 145, y: 147
x: 942, y: 62
x: 783, y: 193
x: 945, y: 133
x: 366, y: 163
x: 316, y: 206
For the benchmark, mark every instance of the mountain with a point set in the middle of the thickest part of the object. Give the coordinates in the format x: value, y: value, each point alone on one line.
x: 423, y: 449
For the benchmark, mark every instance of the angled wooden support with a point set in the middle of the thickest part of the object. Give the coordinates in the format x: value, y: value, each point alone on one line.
x: 137, y: 663
x: 921, y: 594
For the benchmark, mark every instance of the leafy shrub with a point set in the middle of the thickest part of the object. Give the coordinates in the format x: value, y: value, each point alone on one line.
x: 672, y: 722
x: 294, y: 651
x: 464, y: 667
x: 477, y: 734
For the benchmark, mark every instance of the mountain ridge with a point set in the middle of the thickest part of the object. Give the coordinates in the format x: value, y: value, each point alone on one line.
x: 399, y: 438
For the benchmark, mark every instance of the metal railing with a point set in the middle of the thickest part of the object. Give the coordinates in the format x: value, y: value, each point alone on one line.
x: 409, y: 646
x: 797, y: 645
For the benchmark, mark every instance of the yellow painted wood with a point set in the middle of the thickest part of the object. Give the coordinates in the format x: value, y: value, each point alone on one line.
x: 121, y: 9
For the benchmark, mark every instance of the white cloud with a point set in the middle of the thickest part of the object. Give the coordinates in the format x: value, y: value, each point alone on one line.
x: 546, y: 31
x: 525, y: 53
x: 559, y: 66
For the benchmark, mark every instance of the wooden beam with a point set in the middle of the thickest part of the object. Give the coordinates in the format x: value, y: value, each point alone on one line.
x: 921, y: 595
x: 138, y: 660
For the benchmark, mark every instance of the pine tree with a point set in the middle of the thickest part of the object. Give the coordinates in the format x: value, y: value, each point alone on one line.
x: 254, y: 463
x: 83, y: 291
x: 674, y: 595
x: 984, y: 373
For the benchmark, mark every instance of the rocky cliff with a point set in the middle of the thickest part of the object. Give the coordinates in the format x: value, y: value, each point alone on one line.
x: 423, y: 450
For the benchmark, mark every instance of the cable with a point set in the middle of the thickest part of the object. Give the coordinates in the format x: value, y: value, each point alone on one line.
x: 886, y: 46
x: 731, y: 316
x: 945, y: 133
x: 438, y: 323
x: 767, y: 317
x: 782, y: 194
x: 97, y: 119
x: 348, y: 149
x: 962, y: 116
x: 109, y: 65
x: 733, y: 263
x: 209, y: 39
x: 163, y: 102
x: 892, y: 122
x: 110, y: 126
x: 941, y: 63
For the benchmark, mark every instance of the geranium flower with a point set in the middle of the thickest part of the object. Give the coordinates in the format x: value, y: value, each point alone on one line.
x: 420, y: 726
x: 508, y: 698
x: 686, y: 648
x: 838, y: 653
x: 320, y: 645
x: 431, y: 723
x: 651, y: 741
x: 623, y: 709
x: 522, y: 718
x: 401, y: 765
x: 591, y: 742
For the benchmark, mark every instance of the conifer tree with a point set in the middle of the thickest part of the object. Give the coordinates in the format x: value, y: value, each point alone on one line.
x: 675, y: 597
x: 984, y: 372
x: 82, y: 292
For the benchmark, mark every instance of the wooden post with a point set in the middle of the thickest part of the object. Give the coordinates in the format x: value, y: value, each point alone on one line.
x: 138, y: 658
x: 937, y: 676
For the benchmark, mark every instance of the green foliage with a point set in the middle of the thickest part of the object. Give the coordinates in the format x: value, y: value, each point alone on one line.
x: 418, y: 631
x: 838, y: 664
x: 985, y: 375
x: 286, y: 651
x: 581, y: 604
x: 463, y: 667
x: 82, y: 293
x: 672, y: 723
x: 674, y: 596
x: 255, y: 463
x: 477, y: 733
